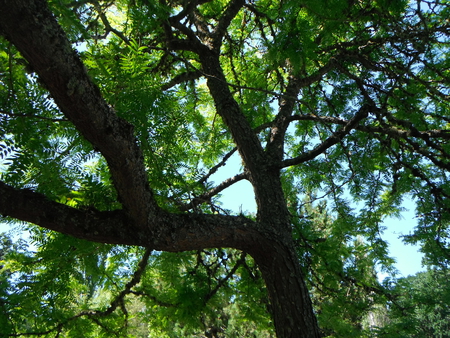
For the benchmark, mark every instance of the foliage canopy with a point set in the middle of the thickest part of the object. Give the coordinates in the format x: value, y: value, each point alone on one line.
x: 115, y: 115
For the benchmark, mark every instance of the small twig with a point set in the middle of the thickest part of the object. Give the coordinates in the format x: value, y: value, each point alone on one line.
x: 217, y: 166
x: 206, y: 197
x: 222, y: 281
x: 32, y: 116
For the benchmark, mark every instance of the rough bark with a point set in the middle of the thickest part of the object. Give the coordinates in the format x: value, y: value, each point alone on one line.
x: 288, y: 293
x: 31, y: 27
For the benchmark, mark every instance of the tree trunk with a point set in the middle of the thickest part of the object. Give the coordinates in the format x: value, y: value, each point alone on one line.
x: 278, y: 261
x: 291, y: 305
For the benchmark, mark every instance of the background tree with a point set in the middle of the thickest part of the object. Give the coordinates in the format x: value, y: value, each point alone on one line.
x: 420, y: 306
x: 115, y: 115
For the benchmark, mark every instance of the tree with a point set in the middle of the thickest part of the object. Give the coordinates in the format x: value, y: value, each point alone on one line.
x: 421, y: 306
x: 116, y: 114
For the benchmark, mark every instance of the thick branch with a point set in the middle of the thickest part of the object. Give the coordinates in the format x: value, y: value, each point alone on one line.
x: 230, y: 12
x: 107, y: 227
x: 275, y: 146
x: 31, y: 27
x: 246, y: 140
x: 175, y: 232
x: 227, y: 107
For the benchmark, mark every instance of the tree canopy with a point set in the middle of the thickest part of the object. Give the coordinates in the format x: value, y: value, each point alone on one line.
x: 115, y: 115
